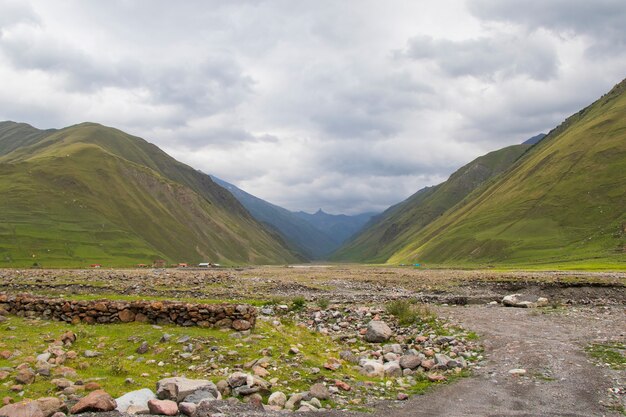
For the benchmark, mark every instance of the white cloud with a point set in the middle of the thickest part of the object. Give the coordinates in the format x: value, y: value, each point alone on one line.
x: 348, y: 106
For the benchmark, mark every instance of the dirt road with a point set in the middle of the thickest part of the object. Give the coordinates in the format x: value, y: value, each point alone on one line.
x: 560, y: 381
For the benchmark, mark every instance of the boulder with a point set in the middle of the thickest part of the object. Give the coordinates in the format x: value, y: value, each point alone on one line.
x: 51, y: 405
x: 138, y: 398
x: 199, y: 396
x: 22, y: 409
x: 524, y: 301
x: 98, y: 400
x: 410, y: 361
x: 163, y: 407
x: 188, y: 409
x: 177, y: 388
x: 377, y: 332
x: 319, y: 391
x: 372, y: 368
x: 277, y: 399
x: 392, y: 369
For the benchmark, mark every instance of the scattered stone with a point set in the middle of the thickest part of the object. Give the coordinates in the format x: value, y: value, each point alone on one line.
x: 22, y: 409
x: 342, y: 385
x: 25, y: 376
x: 137, y: 398
x: 91, y: 354
x: 517, y: 372
x: 377, y: 332
x: 372, y: 368
x: 177, y: 388
x: 201, y: 395
x: 163, y: 407
x: 410, y: 361
x: 188, y: 409
x: 51, y: 405
x: 143, y: 348
x: 319, y: 391
x: 402, y: 396
x: 277, y: 399
x: 98, y: 400
x: 524, y: 301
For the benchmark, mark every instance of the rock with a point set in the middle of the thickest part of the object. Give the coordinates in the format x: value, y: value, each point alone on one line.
x: 332, y: 364
x: 223, y: 387
x: 402, y: 396
x: 294, y: 401
x: 392, y: 369
x: 62, y: 383
x: 68, y: 337
x: 188, y: 409
x: 22, y: 409
x: 44, y: 357
x: 25, y: 376
x: 342, y: 385
x: 238, y: 379
x: 319, y: 391
x: 442, y: 360
x: 143, y: 348
x: 241, y: 325
x: 517, y: 372
x: 138, y: 398
x: 377, y: 332
x: 98, y: 400
x: 138, y: 409
x: 277, y: 399
x: 51, y: 405
x: 92, y: 386
x: 58, y: 414
x: 410, y: 361
x: 177, y: 388
x: 428, y: 364
x: 199, y: 396
x: 524, y: 301
x: 91, y: 354
x: 436, y: 378
x: 126, y: 316
x: 372, y: 368
x: 163, y: 407
x: 6, y: 354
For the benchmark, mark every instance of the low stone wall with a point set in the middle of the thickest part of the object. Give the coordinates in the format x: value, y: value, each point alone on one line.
x: 236, y: 316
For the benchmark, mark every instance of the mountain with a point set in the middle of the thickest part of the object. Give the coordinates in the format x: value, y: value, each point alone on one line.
x: 562, y: 203
x: 93, y: 194
x: 339, y: 227
x: 397, y: 226
x: 314, y: 236
x: 535, y: 139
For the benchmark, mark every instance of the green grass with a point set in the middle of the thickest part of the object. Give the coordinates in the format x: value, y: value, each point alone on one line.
x: 118, y: 342
x: 611, y: 354
x: 408, y: 313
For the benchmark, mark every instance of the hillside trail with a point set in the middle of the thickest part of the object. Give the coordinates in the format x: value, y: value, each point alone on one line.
x: 561, y: 379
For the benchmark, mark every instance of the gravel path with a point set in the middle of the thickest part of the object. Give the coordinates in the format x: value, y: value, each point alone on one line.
x: 561, y: 380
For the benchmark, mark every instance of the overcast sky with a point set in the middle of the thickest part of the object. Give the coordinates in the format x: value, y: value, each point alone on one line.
x: 349, y: 106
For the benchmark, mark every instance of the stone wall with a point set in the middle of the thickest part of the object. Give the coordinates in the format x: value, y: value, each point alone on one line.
x: 236, y: 316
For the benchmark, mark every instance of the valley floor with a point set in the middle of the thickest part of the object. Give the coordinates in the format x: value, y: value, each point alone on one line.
x: 572, y: 351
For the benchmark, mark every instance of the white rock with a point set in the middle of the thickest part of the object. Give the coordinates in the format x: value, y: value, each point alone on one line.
x: 138, y: 398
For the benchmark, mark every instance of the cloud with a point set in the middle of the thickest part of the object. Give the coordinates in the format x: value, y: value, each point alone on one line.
x: 487, y: 57
x: 601, y: 21
x: 348, y: 106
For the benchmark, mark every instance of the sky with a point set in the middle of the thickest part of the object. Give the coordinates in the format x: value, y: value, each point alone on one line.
x: 348, y: 106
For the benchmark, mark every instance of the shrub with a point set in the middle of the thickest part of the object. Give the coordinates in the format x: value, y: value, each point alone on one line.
x: 298, y: 303
x: 323, y: 303
x: 409, y: 313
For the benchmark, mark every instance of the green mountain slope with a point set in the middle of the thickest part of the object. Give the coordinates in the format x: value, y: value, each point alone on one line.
x: 93, y: 194
x: 398, y: 225
x: 339, y: 227
x: 563, y: 202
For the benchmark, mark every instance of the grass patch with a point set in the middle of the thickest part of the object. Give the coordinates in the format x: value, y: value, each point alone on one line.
x: 409, y: 313
x: 610, y: 354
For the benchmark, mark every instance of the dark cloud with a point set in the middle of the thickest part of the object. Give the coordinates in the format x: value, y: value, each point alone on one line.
x: 487, y: 57
x: 602, y: 21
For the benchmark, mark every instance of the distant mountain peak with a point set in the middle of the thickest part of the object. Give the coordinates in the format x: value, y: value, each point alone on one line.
x: 534, y: 139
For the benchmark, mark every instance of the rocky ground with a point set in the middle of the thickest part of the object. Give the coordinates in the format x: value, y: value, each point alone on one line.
x: 537, y: 360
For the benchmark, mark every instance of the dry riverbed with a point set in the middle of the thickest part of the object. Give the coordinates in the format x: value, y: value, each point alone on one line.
x: 566, y: 358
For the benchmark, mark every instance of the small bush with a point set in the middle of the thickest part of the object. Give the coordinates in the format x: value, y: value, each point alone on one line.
x: 117, y: 367
x: 323, y: 303
x: 409, y: 313
x: 298, y: 303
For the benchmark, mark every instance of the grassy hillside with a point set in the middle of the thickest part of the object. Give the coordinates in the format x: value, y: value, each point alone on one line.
x: 93, y: 194
x: 563, y: 202
x: 398, y: 226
